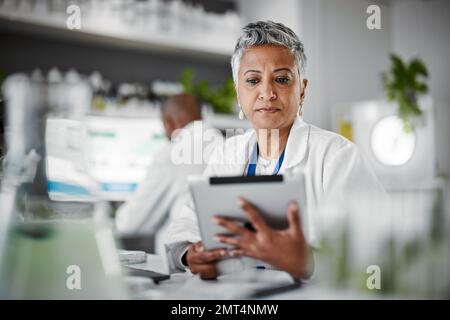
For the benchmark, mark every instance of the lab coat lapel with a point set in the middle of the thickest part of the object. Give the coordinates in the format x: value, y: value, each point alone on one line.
x: 237, y: 152
x: 297, y: 144
x: 296, y: 148
x: 247, y: 151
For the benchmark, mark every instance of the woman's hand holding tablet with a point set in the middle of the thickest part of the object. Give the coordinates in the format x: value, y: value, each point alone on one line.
x: 285, y: 249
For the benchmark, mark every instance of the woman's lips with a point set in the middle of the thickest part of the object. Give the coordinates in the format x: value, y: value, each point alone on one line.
x: 268, y: 110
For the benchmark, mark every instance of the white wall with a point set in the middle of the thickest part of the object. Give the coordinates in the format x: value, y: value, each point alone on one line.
x: 354, y: 56
x: 345, y: 58
x: 283, y: 11
x: 312, y: 33
x: 422, y: 29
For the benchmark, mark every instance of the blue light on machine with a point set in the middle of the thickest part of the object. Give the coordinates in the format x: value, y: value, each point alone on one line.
x: 118, y: 187
x: 66, y: 188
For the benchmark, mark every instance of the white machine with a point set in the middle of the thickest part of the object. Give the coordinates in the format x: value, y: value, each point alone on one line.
x: 401, y: 159
x: 103, y: 157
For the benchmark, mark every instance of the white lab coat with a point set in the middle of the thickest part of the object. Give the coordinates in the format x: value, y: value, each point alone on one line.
x: 331, y: 164
x: 151, y: 203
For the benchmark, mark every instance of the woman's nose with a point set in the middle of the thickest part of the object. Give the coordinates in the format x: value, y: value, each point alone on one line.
x: 267, y: 92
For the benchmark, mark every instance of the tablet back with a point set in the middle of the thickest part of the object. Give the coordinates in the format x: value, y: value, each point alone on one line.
x: 270, y: 194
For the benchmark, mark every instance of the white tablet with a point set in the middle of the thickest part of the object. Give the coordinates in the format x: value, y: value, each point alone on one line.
x: 270, y: 194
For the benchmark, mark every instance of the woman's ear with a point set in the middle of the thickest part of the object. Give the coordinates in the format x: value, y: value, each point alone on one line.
x: 237, y: 95
x: 302, y: 90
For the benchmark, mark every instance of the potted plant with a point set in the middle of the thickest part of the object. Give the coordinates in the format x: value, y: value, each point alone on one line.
x: 221, y: 98
x: 403, y: 83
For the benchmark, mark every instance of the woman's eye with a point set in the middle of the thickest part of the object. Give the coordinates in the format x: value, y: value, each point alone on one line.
x: 252, y: 81
x: 282, y: 80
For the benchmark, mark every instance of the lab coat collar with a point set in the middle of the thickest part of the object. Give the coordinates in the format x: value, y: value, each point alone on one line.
x: 297, y: 144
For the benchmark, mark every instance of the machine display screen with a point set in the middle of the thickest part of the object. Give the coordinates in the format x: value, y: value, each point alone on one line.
x: 99, y: 157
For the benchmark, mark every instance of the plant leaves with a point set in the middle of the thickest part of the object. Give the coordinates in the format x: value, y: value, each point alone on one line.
x: 221, y: 98
x: 402, y: 85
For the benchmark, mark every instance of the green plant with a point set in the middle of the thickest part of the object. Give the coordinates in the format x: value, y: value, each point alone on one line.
x: 402, y: 86
x: 221, y: 98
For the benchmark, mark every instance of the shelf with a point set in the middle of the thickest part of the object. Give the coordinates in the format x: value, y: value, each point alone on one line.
x: 55, y: 28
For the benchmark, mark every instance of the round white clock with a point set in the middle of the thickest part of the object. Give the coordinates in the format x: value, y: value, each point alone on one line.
x: 391, y: 145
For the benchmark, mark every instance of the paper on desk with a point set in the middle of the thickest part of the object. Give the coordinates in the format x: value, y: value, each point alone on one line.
x: 132, y: 256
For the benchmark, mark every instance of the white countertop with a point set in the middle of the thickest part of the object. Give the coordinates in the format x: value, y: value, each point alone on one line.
x: 186, y: 286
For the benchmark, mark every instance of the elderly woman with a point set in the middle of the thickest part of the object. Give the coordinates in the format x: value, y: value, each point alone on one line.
x: 267, y: 65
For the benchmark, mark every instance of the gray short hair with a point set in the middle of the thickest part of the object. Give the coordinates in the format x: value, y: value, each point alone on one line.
x: 268, y: 32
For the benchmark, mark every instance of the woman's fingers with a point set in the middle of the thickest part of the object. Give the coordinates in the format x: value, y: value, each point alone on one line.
x: 236, y: 252
x: 230, y: 225
x: 200, y: 257
x: 198, y: 247
x: 206, y: 271
x: 227, y: 239
x: 203, y: 262
x: 253, y: 215
x: 294, y: 218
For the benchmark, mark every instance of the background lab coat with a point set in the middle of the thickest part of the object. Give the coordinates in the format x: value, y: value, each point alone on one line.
x: 331, y: 164
x: 150, y: 204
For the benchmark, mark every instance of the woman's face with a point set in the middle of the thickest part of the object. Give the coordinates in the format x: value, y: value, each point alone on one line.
x: 269, y: 89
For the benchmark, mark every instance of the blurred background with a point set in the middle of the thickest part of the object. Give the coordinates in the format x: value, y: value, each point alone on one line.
x: 85, y: 95
x: 142, y: 48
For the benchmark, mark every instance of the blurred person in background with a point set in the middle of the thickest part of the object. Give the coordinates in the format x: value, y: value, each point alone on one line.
x: 145, y: 212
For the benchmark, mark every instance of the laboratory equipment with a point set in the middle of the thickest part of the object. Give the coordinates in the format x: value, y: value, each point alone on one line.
x: 400, y: 159
x: 45, y: 253
x: 100, y: 157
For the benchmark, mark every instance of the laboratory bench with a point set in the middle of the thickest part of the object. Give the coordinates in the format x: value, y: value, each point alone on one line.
x: 249, y: 284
